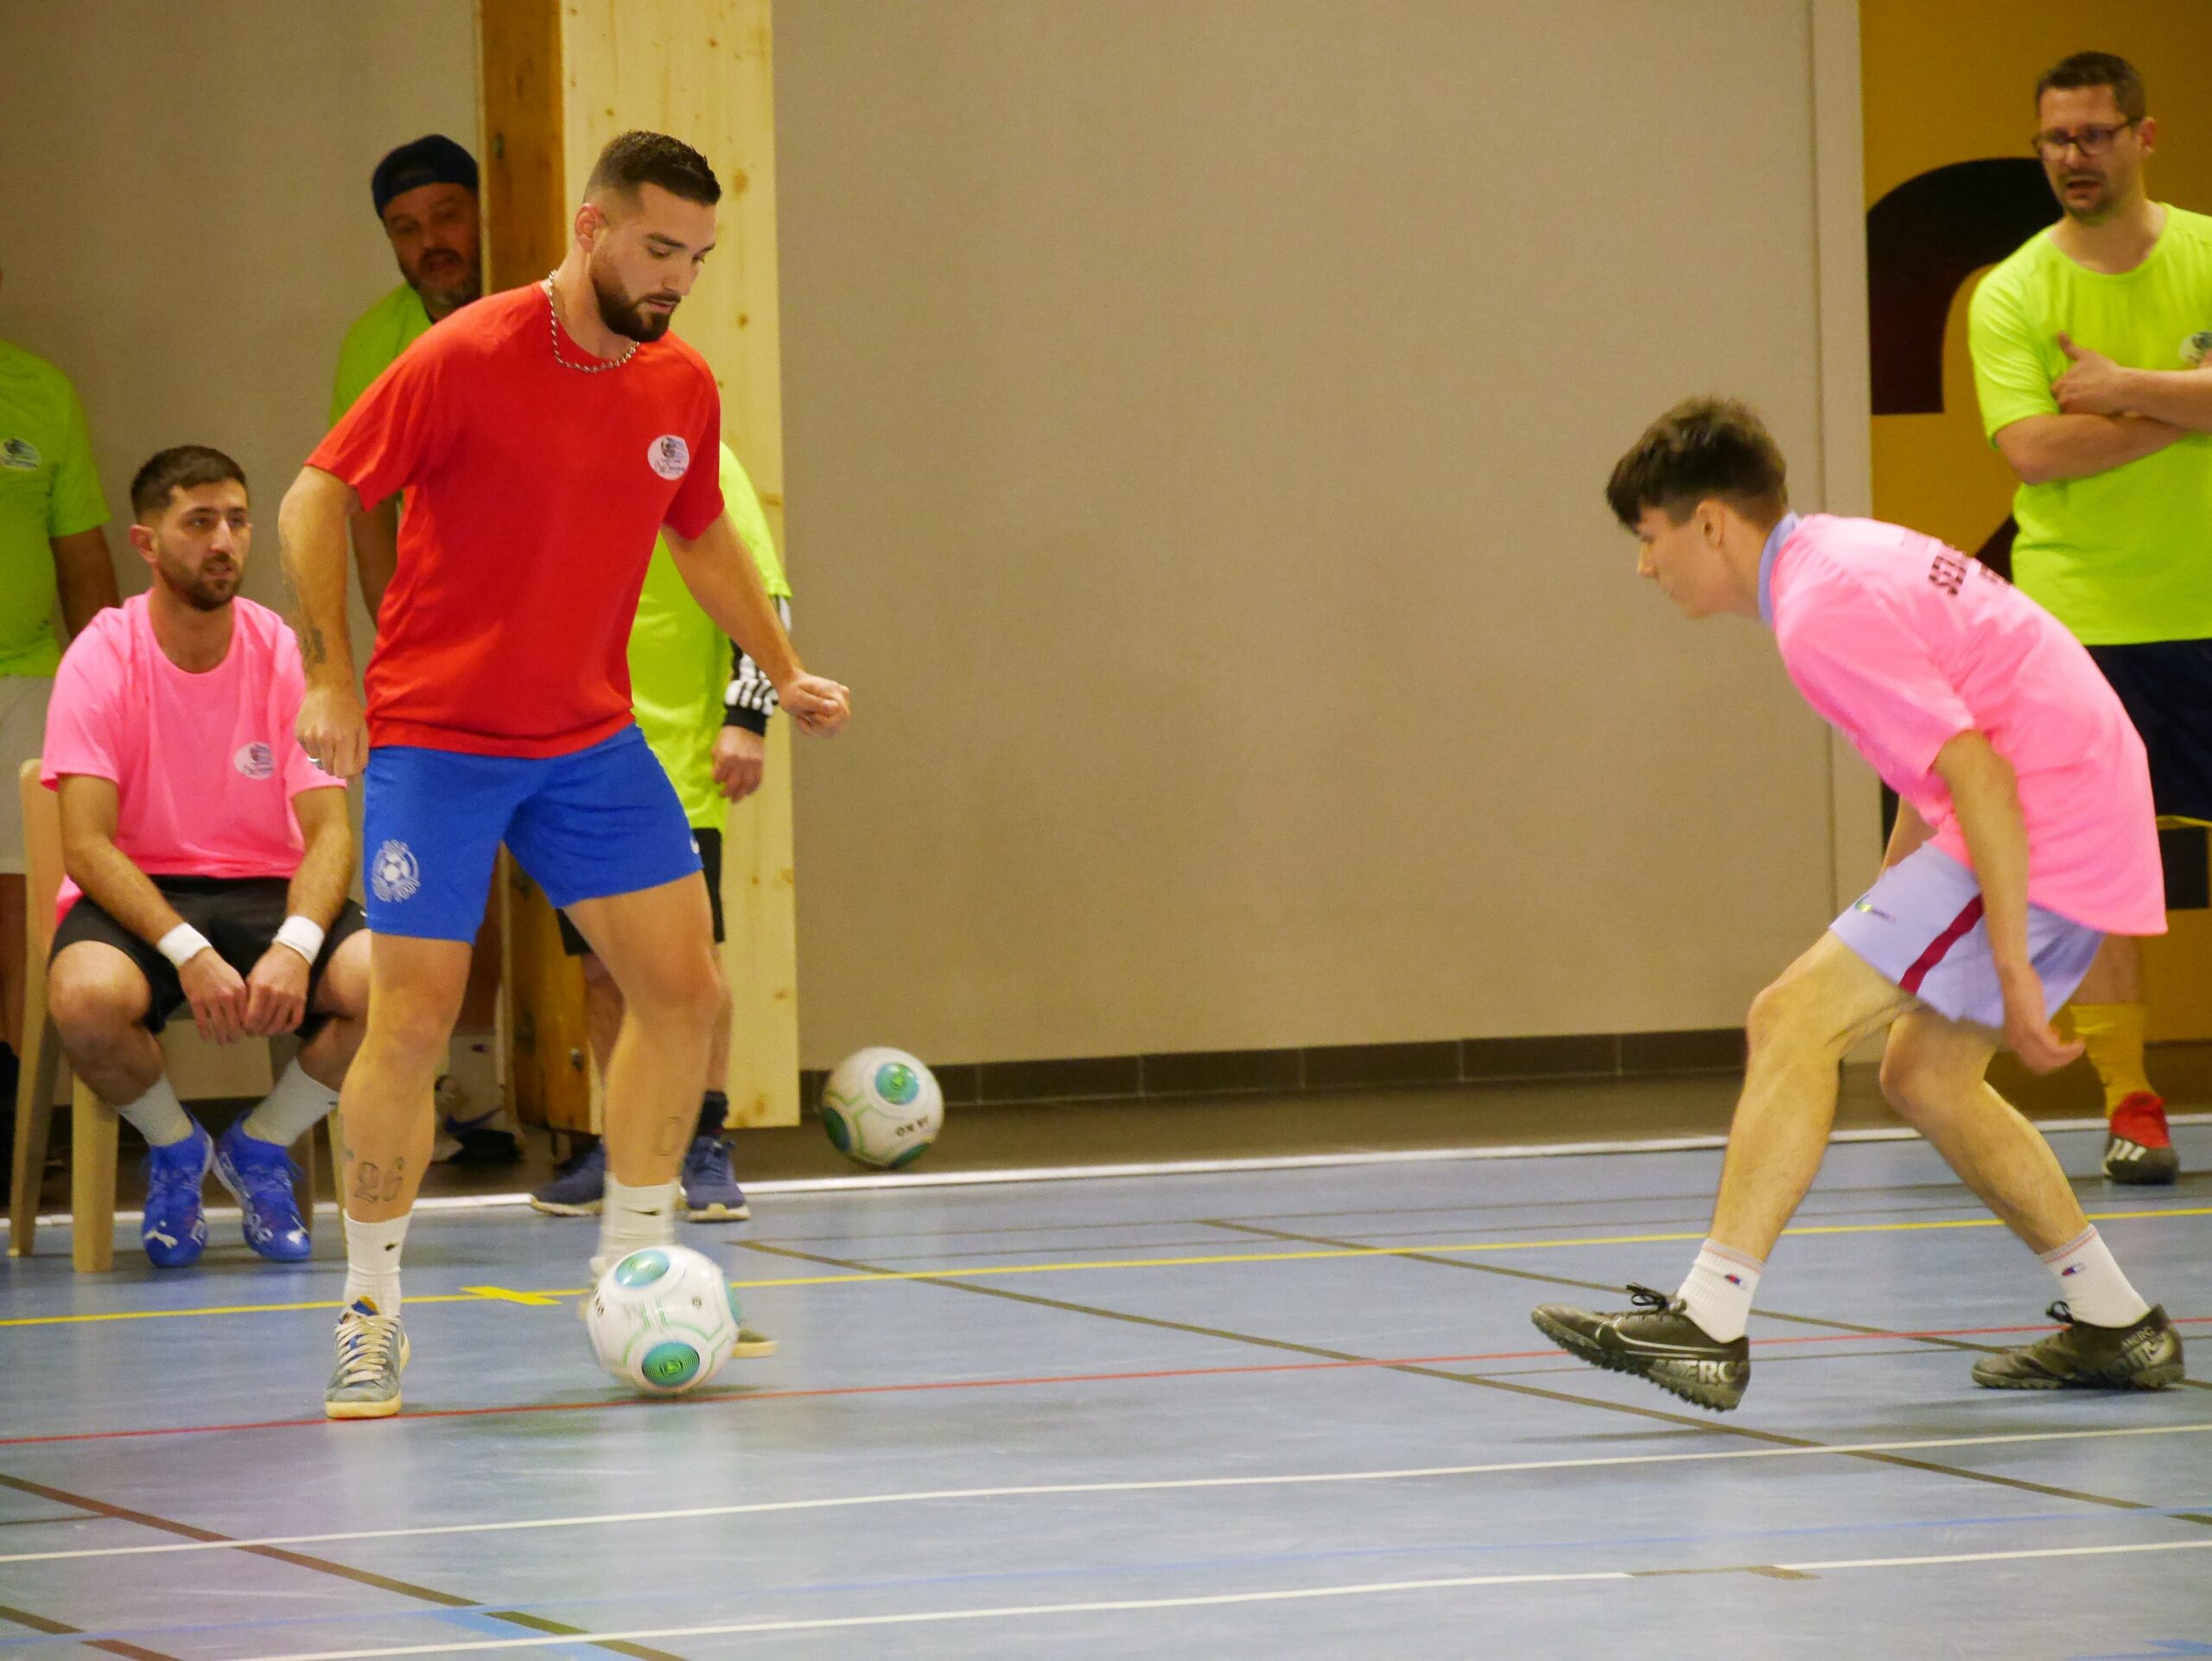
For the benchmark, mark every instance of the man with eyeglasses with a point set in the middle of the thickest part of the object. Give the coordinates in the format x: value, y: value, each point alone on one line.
x: 2090, y: 355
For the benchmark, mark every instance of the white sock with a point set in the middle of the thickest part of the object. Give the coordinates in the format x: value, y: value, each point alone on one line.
x: 294, y: 1107
x: 631, y: 1220
x: 2092, y: 1284
x: 1720, y: 1290
x: 372, y: 1263
x: 158, y: 1116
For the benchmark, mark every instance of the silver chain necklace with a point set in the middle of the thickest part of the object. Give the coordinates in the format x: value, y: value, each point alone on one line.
x: 553, y: 329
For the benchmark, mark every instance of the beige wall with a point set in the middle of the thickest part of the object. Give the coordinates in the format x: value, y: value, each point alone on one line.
x: 185, y: 222
x: 1196, y: 413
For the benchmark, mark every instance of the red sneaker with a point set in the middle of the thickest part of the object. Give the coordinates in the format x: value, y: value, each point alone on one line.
x: 2140, y: 1150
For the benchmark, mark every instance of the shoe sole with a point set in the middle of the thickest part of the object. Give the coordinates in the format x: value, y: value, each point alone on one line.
x: 361, y: 1409
x: 1695, y: 1391
x: 2161, y: 1376
x: 2137, y: 1176
x: 719, y: 1213
x: 754, y: 1351
x: 567, y: 1208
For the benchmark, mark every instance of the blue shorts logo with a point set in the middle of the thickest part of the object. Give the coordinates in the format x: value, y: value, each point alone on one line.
x: 256, y: 761
x: 394, y: 875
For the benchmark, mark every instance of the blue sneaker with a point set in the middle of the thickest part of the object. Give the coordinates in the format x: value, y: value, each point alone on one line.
x: 173, y: 1230
x: 710, y: 1190
x: 261, y: 1174
x: 579, y: 1187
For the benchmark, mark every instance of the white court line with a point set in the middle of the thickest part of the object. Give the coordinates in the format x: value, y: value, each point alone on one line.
x: 884, y: 1182
x: 1165, y: 1484
x: 1119, y: 1606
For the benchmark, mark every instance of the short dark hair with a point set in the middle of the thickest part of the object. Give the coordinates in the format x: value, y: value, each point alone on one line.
x: 633, y: 159
x: 2098, y: 69
x: 183, y: 467
x: 1704, y: 449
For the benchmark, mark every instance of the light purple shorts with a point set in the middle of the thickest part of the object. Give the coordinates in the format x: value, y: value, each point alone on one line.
x: 1921, y: 926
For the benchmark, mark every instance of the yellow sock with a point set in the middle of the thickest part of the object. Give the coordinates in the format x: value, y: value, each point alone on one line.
x: 2113, y: 1034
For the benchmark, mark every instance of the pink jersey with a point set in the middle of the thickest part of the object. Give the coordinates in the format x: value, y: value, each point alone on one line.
x: 205, y: 767
x: 1904, y: 643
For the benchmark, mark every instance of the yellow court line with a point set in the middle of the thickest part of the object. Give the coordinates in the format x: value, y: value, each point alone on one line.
x: 496, y: 1294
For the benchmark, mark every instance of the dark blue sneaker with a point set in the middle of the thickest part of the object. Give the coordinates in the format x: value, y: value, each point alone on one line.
x: 710, y: 1190
x: 173, y: 1229
x: 261, y: 1174
x: 579, y: 1187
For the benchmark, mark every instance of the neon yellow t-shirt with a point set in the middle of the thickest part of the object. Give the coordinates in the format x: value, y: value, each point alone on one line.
x: 379, y: 335
x: 2124, y: 555
x: 680, y: 662
x: 48, y: 488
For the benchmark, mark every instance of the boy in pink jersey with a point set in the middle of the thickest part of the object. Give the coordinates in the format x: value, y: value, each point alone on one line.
x: 2025, y: 836
x: 207, y: 861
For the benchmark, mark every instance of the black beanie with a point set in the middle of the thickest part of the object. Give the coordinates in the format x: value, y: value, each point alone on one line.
x: 434, y: 159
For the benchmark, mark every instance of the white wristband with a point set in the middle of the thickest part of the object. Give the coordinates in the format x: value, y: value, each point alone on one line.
x: 181, y: 944
x: 304, y: 935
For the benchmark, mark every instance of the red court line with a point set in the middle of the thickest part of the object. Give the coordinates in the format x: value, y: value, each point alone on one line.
x: 919, y: 1386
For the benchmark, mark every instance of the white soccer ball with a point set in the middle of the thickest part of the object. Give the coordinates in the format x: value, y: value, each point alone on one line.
x: 882, y: 1107
x: 662, y: 1319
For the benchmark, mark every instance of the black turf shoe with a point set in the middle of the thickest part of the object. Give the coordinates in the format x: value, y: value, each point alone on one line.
x: 1655, y: 1341
x: 2146, y: 1356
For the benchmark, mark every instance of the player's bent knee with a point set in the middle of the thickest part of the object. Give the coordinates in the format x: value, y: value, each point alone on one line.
x: 94, y: 1011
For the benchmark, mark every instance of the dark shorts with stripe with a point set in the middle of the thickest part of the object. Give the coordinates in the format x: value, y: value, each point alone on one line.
x: 709, y: 844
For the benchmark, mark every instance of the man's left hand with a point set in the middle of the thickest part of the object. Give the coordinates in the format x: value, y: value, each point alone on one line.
x: 739, y: 756
x: 2027, y: 1028
x: 2094, y: 385
x: 277, y: 993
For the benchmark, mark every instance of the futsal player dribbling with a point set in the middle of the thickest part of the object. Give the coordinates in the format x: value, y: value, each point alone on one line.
x: 543, y: 435
x: 2025, y: 836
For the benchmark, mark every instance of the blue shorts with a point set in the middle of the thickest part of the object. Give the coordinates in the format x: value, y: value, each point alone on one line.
x: 601, y: 821
x: 1921, y: 926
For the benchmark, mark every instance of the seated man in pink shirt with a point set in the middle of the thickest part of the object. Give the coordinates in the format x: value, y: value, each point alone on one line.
x: 2024, y: 837
x: 207, y: 860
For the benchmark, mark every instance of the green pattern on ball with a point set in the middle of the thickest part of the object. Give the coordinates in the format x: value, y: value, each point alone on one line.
x: 670, y: 1365
x: 897, y: 1083
x: 835, y: 1122
x: 641, y: 1268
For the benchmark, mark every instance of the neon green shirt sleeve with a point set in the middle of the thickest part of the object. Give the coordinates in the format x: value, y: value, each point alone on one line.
x: 77, y: 502
x: 2012, y: 370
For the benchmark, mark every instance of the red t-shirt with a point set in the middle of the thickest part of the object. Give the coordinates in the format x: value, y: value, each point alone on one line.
x: 534, y: 493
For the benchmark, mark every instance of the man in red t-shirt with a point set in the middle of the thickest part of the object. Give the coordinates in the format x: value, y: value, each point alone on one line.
x: 544, y: 436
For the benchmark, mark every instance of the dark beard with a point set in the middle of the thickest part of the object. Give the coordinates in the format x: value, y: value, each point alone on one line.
x: 201, y: 593
x: 622, y: 314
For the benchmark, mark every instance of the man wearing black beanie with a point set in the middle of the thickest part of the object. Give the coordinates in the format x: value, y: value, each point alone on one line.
x: 425, y: 195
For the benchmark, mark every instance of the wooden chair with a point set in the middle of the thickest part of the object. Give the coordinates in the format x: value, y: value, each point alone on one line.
x: 93, y: 1126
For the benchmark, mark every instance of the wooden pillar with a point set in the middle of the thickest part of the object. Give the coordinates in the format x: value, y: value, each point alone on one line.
x: 565, y: 77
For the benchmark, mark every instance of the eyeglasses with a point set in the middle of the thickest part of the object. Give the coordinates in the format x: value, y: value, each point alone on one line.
x: 2090, y: 141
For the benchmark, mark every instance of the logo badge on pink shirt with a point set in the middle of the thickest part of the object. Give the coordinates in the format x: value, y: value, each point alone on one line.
x: 256, y: 761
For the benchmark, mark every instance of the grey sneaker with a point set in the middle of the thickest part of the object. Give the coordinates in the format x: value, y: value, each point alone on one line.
x: 2146, y: 1356
x: 371, y: 1351
x: 710, y: 1190
x: 578, y: 1187
x: 1656, y: 1341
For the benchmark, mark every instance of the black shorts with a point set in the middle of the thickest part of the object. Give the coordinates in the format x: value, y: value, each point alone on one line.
x: 709, y: 844
x: 239, y: 916
x: 2166, y: 687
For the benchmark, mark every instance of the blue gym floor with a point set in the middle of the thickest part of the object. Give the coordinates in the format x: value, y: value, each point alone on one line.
x: 1222, y: 1417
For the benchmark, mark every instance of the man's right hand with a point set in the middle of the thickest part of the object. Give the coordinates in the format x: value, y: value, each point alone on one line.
x: 333, y: 730
x: 217, y: 993
x: 2027, y: 1028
